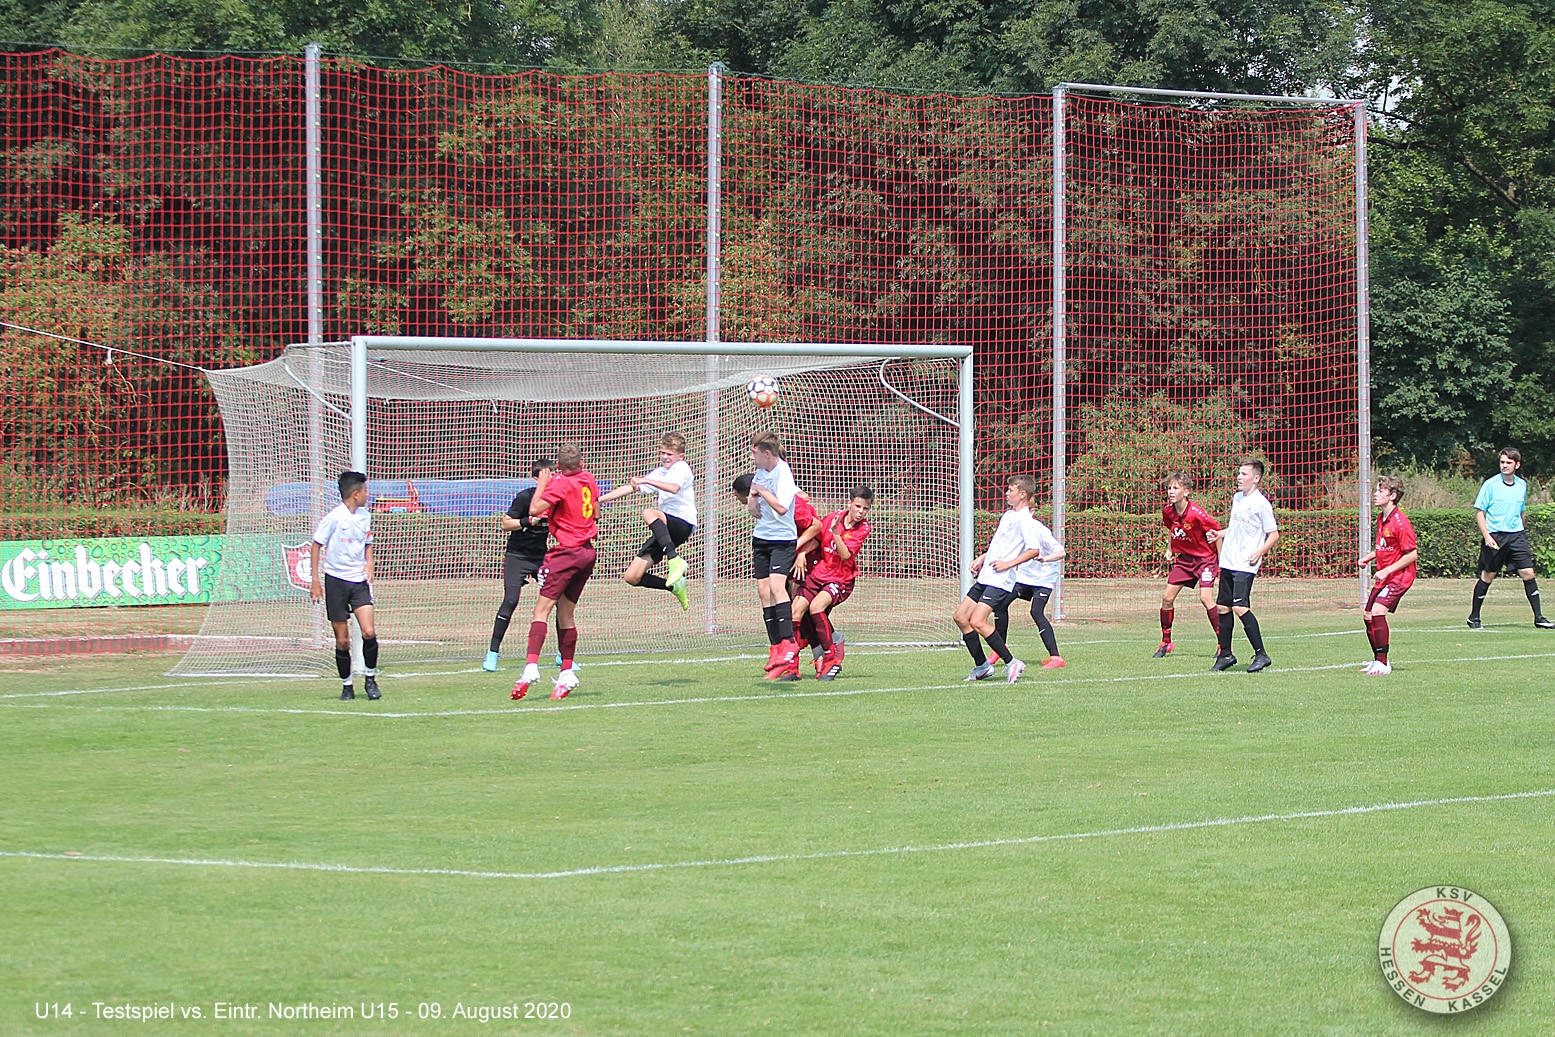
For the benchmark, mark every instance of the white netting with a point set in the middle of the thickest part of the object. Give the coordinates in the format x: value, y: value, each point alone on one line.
x: 451, y: 437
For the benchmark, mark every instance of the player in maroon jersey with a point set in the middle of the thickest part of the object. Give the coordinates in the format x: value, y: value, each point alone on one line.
x: 1194, y: 556
x: 1396, y: 554
x: 830, y: 581
x: 569, y: 498
x: 807, y: 554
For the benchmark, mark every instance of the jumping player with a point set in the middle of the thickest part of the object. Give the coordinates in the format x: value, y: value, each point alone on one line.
x: 1248, y: 538
x: 1014, y: 542
x: 525, y: 552
x: 1395, y: 555
x: 1193, y: 554
x: 570, y: 499
x: 773, y: 544
x: 830, y: 582
x: 669, y: 525
x: 344, y: 582
x: 1499, y: 511
x: 1034, y: 582
x: 807, y: 554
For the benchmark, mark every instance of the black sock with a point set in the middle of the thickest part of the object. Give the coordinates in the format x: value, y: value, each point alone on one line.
x: 769, y: 616
x: 1001, y: 622
x: 1226, y: 625
x: 1481, y: 588
x: 653, y: 583
x: 343, y: 664
x: 370, y: 653
x: 785, y: 622
x: 1000, y: 649
x: 1531, y: 588
x: 1250, y: 628
x: 661, y: 533
x: 974, y: 644
x: 1044, y: 625
x: 499, y: 630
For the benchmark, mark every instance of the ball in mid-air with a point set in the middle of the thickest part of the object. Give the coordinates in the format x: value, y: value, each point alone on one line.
x: 763, y: 391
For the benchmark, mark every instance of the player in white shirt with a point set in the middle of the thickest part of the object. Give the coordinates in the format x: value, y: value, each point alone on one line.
x: 670, y: 524
x: 1249, y: 536
x: 1034, y: 582
x: 774, y: 543
x: 1013, y: 544
x: 344, y: 581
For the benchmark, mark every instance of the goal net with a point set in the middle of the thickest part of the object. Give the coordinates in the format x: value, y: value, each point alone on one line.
x: 449, y: 439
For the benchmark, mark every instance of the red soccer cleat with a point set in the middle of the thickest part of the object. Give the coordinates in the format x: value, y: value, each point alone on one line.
x: 519, y: 690
x: 1054, y: 662
x: 1164, y: 649
x: 833, y: 663
x: 772, y: 658
x: 785, y: 672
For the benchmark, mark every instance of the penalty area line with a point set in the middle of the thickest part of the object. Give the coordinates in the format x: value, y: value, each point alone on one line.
x: 779, y: 858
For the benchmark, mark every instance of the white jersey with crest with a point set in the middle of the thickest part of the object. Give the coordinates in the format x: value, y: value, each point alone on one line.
x: 1017, y: 533
x: 344, y: 536
x: 683, y: 502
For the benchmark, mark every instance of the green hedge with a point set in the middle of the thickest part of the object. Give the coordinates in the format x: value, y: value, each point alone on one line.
x: 86, y: 523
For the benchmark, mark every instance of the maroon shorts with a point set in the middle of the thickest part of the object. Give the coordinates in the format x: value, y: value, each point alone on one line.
x: 565, y: 571
x: 1188, y: 571
x: 1387, y: 594
x: 840, y: 590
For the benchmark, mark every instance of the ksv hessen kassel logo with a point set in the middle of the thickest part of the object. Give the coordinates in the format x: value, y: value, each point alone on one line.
x: 299, y: 566
x: 1445, y: 949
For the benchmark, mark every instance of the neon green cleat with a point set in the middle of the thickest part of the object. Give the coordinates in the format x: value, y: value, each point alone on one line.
x: 675, y: 570
x: 679, y: 590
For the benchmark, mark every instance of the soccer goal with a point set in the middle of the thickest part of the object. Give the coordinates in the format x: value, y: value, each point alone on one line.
x: 446, y: 430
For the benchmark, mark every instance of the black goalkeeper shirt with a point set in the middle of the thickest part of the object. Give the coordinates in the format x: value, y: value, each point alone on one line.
x: 527, y: 541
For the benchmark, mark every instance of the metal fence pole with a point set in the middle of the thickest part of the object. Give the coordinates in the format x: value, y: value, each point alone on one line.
x: 712, y: 485
x: 1059, y: 352
x: 314, y: 218
x: 1362, y: 348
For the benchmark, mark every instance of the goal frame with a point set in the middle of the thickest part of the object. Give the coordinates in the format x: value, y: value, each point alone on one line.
x: 363, y: 345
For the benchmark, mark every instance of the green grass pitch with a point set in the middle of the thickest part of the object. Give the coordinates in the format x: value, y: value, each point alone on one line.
x: 683, y: 848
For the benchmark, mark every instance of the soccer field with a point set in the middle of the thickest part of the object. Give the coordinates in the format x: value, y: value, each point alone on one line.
x: 1126, y: 846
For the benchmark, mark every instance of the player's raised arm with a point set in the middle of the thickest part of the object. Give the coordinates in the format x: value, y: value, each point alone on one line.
x: 539, y: 506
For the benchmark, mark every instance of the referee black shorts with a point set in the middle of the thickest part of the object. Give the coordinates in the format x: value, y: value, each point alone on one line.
x: 1236, y: 589
x: 343, y: 597
x: 1512, y: 551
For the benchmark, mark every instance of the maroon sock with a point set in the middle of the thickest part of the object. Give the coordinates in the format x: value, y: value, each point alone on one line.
x: 1379, y: 626
x: 824, y: 635
x: 1214, y: 620
x: 1166, y: 623
x: 568, y: 645
x: 537, y: 631
x: 1371, y: 632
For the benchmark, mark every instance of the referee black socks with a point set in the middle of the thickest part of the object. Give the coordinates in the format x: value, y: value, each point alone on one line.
x: 1531, y: 588
x: 1481, y: 588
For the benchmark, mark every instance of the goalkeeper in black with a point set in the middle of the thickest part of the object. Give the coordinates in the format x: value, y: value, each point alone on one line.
x: 525, y: 551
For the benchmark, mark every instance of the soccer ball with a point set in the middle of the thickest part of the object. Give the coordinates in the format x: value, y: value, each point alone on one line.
x: 763, y: 391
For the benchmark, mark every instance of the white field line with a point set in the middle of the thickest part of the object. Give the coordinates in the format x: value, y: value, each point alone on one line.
x: 256, y: 681
x: 777, y: 858
x: 767, y: 697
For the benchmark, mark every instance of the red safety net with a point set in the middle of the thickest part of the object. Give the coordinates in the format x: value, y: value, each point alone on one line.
x: 158, y: 206
x: 1211, y: 309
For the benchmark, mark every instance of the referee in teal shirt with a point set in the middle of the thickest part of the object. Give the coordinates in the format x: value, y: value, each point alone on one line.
x: 1499, y: 511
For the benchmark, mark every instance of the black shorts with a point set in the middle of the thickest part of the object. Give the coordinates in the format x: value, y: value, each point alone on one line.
x: 518, y: 570
x: 342, y: 597
x: 680, y: 532
x: 1513, y: 553
x: 996, y: 598
x: 1236, y: 589
x: 772, y: 557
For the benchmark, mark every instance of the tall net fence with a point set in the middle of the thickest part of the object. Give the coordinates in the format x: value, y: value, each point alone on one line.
x: 159, y: 205
x: 452, y: 436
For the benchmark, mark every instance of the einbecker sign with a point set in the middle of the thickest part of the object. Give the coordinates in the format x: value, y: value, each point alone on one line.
x: 108, y: 571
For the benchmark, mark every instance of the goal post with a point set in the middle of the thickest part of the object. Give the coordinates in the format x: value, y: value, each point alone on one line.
x: 446, y: 429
